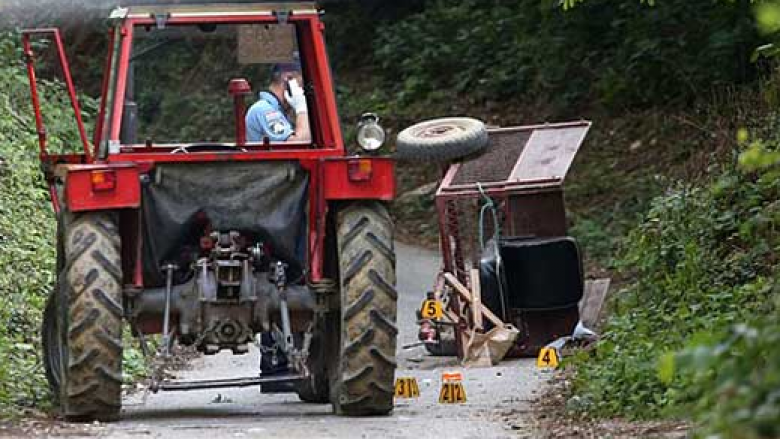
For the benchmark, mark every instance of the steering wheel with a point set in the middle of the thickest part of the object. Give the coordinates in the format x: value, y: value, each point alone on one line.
x: 205, y: 147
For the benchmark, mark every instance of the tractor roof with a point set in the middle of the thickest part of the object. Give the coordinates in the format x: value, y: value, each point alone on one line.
x: 216, y: 8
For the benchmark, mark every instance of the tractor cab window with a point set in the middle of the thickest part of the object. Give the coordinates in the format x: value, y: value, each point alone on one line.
x: 184, y: 82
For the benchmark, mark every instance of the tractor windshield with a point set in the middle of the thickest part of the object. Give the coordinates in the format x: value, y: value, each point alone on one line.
x: 179, y: 77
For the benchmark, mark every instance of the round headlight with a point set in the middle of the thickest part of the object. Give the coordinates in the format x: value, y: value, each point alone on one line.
x: 370, y: 135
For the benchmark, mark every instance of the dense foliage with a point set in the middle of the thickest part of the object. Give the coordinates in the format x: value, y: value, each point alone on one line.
x: 27, y: 227
x: 694, y: 332
x: 615, y: 53
x: 694, y: 328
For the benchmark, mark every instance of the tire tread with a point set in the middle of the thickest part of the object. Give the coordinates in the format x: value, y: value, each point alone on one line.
x: 364, y: 383
x: 91, y: 380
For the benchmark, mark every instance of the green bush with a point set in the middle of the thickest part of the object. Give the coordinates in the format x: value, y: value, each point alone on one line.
x: 736, y: 376
x: 27, y: 226
x: 695, y: 330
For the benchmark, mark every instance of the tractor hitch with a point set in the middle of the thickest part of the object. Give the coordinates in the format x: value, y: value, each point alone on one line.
x: 173, y: 386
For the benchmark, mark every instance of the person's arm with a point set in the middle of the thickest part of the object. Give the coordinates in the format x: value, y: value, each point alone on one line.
x: 297, y: 100
x: 302, y: 131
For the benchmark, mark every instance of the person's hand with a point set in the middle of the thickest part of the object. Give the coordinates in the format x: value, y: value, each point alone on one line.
x: 295, y: 97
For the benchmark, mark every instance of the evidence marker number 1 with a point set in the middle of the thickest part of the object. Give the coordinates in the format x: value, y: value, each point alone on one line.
x: 406, y: 387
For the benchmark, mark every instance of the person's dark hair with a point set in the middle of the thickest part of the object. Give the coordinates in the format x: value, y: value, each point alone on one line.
x: 276, y: 77
x: 280, y: 69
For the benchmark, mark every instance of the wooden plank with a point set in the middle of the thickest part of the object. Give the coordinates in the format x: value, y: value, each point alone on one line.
x: 548, y: 154
x: 466, y: 295
x: 476, y: 295
x: 593, y: 301
x: 451, y: 315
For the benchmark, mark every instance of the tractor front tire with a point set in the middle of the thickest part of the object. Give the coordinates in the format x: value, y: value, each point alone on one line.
x: 364, y: 379
x: 90, y: 314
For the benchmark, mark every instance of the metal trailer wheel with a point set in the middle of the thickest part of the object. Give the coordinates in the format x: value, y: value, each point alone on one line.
x: 363, y: 383
x: 83, y: 321
x: 442, y: 140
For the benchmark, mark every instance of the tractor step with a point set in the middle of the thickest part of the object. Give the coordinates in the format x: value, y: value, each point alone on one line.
x: 169, y: 386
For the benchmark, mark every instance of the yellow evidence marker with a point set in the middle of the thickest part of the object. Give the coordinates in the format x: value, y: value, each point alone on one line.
x: 547, y: 359
x: 452, y: 391
x: 432, y: 309
x: 406, y: 387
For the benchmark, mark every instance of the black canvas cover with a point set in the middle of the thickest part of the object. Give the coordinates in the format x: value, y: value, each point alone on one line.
x: 537, y: 274
x: 542, y: 273
x: 263, y: 199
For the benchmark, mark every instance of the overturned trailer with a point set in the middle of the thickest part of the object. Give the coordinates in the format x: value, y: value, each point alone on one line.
x: 502, y: 215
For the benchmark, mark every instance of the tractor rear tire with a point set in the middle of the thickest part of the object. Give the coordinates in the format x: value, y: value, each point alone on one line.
x: 363, y: 384
x: 51, y: 326
x: 91, y: 319
x: 442, y: 140
x: 316, y: 389
x: 51, y: 338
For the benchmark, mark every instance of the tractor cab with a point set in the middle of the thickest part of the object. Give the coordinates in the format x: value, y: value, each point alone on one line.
x: 184, y: 81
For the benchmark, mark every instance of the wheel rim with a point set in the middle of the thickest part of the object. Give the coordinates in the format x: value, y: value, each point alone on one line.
x: 439, y: 130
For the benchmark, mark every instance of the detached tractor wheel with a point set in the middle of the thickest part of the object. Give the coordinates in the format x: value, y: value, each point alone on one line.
x: 83, y: 321
x: 442, y: 140
x: 363, y: 384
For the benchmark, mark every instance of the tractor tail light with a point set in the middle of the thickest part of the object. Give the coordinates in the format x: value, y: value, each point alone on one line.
x: 359, y: 170
x: 103, y: 180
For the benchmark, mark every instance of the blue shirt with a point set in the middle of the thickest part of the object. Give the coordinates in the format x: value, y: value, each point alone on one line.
x: 266, y: 118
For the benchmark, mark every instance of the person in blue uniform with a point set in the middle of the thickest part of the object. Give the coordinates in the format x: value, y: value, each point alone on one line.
x: 284, y: 100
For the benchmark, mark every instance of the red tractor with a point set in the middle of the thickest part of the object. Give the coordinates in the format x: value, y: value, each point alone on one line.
x: 218, y: 242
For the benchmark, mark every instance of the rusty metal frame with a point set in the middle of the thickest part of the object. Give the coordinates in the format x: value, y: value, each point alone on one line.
x: 512, y: 189
x: 29, y: 56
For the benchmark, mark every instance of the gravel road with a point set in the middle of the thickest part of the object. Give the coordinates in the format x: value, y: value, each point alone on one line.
x: 497, y: 405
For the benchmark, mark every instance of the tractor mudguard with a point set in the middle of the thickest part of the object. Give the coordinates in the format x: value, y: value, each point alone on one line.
x: 359, y: 178
x: 100, y: 186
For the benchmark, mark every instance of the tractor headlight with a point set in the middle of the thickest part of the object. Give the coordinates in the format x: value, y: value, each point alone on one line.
x: 370, y: 135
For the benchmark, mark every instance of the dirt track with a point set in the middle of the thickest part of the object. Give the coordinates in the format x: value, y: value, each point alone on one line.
x: 497, y: 406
